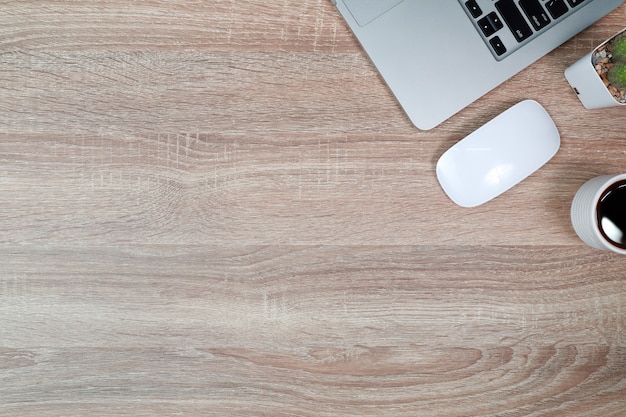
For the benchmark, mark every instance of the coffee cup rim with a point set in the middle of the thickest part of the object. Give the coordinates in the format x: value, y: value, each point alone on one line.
x: 596, y: 200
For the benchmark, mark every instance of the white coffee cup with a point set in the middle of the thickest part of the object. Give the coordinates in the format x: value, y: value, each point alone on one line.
x: 598, y: 213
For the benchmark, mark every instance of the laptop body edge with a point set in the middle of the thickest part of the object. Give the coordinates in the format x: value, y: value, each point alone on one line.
x: 431, y: 83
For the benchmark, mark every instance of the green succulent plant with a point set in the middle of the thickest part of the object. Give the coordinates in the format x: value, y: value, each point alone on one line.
x: 619, y: 48
x: 617, y: 74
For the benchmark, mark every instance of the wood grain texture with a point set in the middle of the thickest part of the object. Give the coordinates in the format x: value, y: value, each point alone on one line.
x: 216, y: 207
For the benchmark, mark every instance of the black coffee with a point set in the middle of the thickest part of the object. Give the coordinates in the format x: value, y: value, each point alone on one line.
x: 612, y: 214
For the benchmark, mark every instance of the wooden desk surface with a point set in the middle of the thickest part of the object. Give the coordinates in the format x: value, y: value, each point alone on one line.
x: 217, y: 208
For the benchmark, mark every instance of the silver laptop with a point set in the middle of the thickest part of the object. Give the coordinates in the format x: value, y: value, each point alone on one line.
x: 438, y: 56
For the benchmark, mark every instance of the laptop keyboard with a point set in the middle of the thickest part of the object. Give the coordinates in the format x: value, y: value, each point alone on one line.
x: 506, y: 25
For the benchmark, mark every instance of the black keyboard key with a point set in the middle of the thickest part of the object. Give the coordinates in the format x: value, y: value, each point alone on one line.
x: 557, y: 8
x: 497, y: 45
x: 473, y: 8
x: 514, y: 19
x: 490, y: 24
x: 575, y: 3
x: 535, y: 13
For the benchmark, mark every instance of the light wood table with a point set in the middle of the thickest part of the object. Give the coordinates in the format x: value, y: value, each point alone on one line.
x: 216, y: 207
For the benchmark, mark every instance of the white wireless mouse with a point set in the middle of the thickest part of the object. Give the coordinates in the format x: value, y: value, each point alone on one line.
x: 498, y: 155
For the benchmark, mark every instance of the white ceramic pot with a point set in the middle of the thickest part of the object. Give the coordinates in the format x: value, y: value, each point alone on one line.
x: 587, y: 84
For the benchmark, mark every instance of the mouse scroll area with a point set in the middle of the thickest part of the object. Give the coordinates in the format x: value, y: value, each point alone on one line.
x: 498, y: 155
